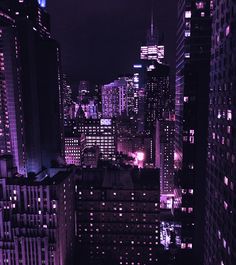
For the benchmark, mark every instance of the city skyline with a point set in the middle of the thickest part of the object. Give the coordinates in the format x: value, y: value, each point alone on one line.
x: 117, y: 132
x: 93, y: 36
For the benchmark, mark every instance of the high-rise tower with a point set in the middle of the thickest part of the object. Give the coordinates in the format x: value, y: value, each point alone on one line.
x: 32, y: 113
x: 220, y: 226
x: 153, y: 50
x: 12, y: 137
x: 192, y: 86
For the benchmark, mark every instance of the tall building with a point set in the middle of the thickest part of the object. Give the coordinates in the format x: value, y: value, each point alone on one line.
x: 34, y: 215
x: 157, y: 96
x: 115, y: 98
x: 152, y: 50
x: 83, y: 91
x: 165, y: 155
x: 157, y: 100
x: 67, y: 99
x: 12, y: 134
x: 31, y: 86
x: 74, y: 147
x: 100, y: 133
x: 220, y: 226
x: 118, y: 216
x: 192, y: 88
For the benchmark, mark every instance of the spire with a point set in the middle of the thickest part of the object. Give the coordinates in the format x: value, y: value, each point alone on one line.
x: 152, y: 38
x: 152, y: 21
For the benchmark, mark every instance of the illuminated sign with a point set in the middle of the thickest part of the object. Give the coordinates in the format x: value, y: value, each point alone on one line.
x: 42, y: 3
x: 155, y: 52
x: 137, y: 66
x: 105, y: 121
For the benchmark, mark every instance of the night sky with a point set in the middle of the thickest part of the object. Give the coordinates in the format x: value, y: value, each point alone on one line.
x: 100, y: 40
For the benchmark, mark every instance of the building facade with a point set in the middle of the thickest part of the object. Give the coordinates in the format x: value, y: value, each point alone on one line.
x: 118, y: 216
x: 192, y: 89
x: 34, y: 216
x: 220, y: 225
x: 12, y: 134
x: 100, y: 133
x: 32, y: 90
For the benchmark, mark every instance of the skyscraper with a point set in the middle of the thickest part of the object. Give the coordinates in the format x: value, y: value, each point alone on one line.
x: 32, y: 89
x: 99, y: 133
x: 192, y: 86
x: 165, y: 156
x: 220, y: 226
x: 67, y: 99
x: 152, y: 50
x: 115, y: 98
x: 157, y: 95
x: 12, y: 135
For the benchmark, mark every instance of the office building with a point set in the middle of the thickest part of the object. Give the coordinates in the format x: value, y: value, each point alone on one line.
x: 90, y: 157
x: 152, y: 50
x: 90, y: 108
x: 117, y: 216
x: 67, y: 99
x: 12, y: 134
x: 165, y: 155
x: 157, y: 96
x: 74, y: 147
x: 119, y: 97
x: 101, y: 133
x: 84, y: 90
x: 192, y: 88
x: 220, y: 225
x: 33, y: 86
x: 34, y: 216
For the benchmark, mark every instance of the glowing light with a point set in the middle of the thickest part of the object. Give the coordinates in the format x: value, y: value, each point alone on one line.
x: 42, y: 3
x: 140, y: 156
x: 138, y: 66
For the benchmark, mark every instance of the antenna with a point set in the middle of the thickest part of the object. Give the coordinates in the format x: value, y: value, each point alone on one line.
x: 152, y: 19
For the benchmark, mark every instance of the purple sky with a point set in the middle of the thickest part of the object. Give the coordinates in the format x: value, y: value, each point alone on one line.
x: 101, y: 39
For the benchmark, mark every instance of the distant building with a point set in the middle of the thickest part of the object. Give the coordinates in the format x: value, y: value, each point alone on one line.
x: 116, y: 97
x: 90, y: 109
x: 117, y: 216
x: 152, y: 50
x: 101, y: 133
x: 74, y: 147
x: 83, y: 91
x: 67, y: 99
x: 158, y: 98
x: 131, y: 145
x: 91, y: 157
x: 165, y: 155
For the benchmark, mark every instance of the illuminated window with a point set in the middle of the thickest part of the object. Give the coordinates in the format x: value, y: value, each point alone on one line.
x: 225, y: 205
x: 188, y: 14
x: 187, y: 55
x: 229, y: 115
x: 186, y: 99
x: 200, y: 5
x: 227, y: 30
x: 187, y: 33
x: 190, y: 245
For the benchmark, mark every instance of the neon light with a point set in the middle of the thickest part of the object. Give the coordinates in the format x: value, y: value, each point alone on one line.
x: 42, y: 3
